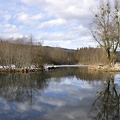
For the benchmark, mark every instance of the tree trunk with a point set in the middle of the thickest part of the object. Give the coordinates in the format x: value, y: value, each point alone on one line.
x: 111, y: 58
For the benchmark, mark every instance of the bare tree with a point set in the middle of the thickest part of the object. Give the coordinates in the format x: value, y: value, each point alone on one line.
x: 105, y: 28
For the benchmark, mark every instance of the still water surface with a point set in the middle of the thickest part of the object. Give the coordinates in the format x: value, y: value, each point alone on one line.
x: 70, y: 93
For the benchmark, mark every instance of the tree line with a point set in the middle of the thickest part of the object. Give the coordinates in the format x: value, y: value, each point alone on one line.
x: 91, y: 56
x: 22, y: 52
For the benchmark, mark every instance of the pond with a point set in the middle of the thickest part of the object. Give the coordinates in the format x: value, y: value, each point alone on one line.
x: 66, y: 93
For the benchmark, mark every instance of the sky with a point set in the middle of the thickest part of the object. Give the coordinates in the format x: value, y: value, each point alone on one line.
x: 56, y: 23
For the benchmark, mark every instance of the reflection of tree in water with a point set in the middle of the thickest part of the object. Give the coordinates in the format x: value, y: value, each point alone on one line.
x: 107, y: 105
x: 62, y: 72
x: 21, y: 87
x: 25, y: 87
x: 78, y: 72
x: 85, y: 74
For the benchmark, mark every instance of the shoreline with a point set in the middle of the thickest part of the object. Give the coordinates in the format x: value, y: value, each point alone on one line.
x: 27, y: 70
x: 104, y: 68
x: 20, y: 70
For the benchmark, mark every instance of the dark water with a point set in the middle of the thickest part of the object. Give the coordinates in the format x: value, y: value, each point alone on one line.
x: 60, y: 94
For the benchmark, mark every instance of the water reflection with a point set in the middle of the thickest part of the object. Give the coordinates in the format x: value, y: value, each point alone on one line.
x: 64, y: 93
x: 81, y: 73
x: 107, y: 104
x: 21, y: 87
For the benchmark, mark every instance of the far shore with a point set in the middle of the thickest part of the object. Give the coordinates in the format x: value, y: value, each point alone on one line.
x: 26, y: 70
x: 103, y: 68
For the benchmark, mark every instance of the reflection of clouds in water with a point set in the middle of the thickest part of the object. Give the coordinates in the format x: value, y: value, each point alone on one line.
x: 4, y: 105
x: 71, y: 82
x: 22, y: 107
x: 68, y: 112
x: 65, y: 99
x: 74, y: 97
x: 52, y: 101
x: 37, y: 107
x: 71, y: 87
x: 65, y: 93
x: 117, y: 79
x: 117, y: 82
x: 74, y: 81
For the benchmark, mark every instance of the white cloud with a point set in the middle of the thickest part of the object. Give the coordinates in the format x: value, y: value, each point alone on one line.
x: 27, y: 18
x: 56, y: 22
x: 74, y: 38
x: 37, y: 17
x: 51, y: 23
x: 6, y: 17
x: 73, y: 33
x: 10, y: 28
x: 24, y: 18
x: 10, y: 35
x: 67, y: 9
x: 34, y: 2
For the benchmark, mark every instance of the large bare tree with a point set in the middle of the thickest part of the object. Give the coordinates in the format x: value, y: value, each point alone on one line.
x: 105, y: 27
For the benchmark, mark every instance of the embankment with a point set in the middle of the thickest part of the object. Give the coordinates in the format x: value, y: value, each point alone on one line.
x: 115, y: 68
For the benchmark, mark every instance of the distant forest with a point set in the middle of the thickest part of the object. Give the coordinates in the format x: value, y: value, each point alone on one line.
x: 22, y: 52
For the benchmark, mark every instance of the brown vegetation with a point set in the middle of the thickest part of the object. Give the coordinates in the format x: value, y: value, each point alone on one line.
x: 23, y: 55
x: 91, y: 56
x: 19, y: 54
